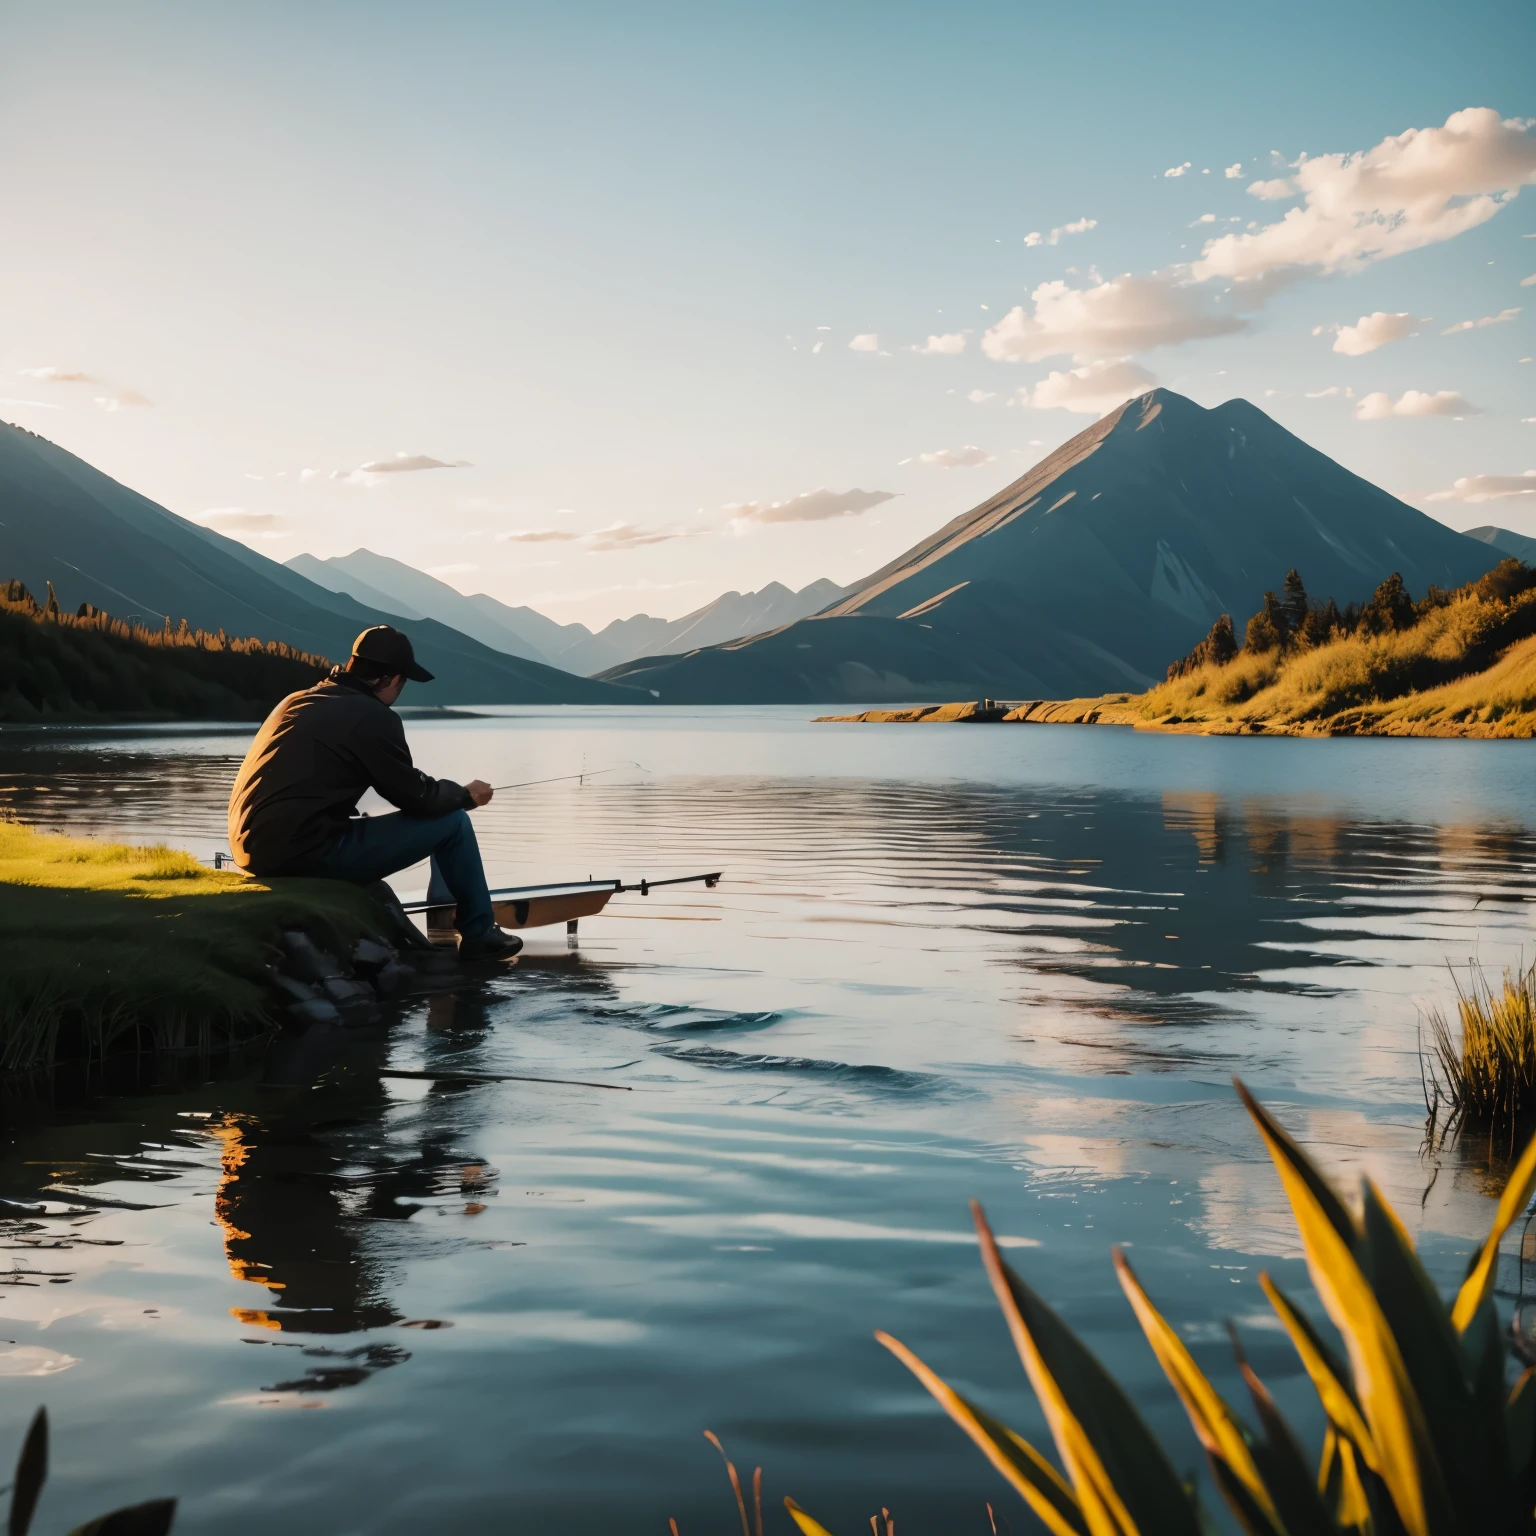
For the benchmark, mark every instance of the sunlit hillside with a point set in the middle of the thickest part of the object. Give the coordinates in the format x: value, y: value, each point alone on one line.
x: 1460, y: 663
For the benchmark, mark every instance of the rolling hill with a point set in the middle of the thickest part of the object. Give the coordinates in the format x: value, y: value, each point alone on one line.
x: 1091, y: 572
x: 99, y: 542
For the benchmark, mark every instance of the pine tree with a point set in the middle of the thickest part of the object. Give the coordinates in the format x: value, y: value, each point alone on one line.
x: 1295, y: 602
x: 1390, y: 608
x: 1268, y: 629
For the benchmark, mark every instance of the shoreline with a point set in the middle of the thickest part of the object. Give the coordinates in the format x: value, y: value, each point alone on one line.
x: 1389, y: 718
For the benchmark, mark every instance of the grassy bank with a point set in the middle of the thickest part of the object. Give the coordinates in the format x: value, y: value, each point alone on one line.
x: 1459, y: 663
x: 107, y: 947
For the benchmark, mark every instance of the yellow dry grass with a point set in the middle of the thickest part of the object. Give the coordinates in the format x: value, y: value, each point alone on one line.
x: 1423, y: 681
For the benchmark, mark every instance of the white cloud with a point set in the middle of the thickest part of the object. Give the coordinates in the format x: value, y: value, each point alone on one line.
x: 943, y: 346
x: 1113, y: 319
x: 42, y: 405
x: 121, y: 400
x: 536, y: 536
x: 869, y: 342
x: 957, y: 458
x: 1234, y: 172
x: 406, y: 463
x: 1178, y: 170
x: 1372, y: 331
x: 1055, y: 236
x: 1527, y: 282
x: 1271, y: 191
x: 817, y: 506
x: 627, y: 536
x: 377, y: 471
x: 1416, y: 402
x: 1205, y: 218
x: 1090, y: 390
x: 981, y: 396
x: 1488, y: 487
x: 1413, y: 189
x: 1503, y: 317
x: 238, y: 520
x: 1324, y: 394
x: 58, y: 375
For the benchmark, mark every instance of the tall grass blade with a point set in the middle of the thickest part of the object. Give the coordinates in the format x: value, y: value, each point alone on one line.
x: 1327, y: 1373
x: 730, y: 1467
x: 1340, y: 1482
x: 31, y: 1474
x: 1387, y: 1400
x: 807, y: 1525
x: 1479, y: 1282
x: 1468, y: 1445
x: 1218, y: 1429
x: 1124, y: 1482
x: 1040, y: 1485
x: 152, y: 1519
x: 1281, y: 1462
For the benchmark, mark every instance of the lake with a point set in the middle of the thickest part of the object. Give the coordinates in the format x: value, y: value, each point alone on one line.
x: 1019, y: 965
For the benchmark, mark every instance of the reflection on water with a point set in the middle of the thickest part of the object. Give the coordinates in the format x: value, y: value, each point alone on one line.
x: 1015, y: 966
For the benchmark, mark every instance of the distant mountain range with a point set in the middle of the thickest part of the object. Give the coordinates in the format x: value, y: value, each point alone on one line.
x: 378, y: 580
x: 101, y: 543
x: 1091, y: 572
x: 1519, y: 545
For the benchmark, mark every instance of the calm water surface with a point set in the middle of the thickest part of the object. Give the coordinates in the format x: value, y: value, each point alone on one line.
x: 1015, y: 965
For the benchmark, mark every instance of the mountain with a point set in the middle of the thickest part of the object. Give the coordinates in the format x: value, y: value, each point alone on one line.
x: 1090, y: 573
x: 99, y: 542
x: 730, y: 617
x: 1520, y: 545
x: 377, y: 579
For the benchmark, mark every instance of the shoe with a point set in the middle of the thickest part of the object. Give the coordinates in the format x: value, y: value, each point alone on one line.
x: 493, y: 944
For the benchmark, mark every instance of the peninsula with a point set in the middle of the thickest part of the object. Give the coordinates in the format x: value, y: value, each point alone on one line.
x: 1455, y: 663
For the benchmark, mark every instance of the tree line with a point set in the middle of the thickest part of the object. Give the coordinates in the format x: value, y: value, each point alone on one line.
x: 57, y: 664
x: 1291, y: 621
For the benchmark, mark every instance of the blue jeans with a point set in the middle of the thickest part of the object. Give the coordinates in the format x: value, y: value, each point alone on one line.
x: 375, y: 846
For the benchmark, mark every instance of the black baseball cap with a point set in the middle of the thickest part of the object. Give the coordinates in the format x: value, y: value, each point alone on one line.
x: 385, y: 646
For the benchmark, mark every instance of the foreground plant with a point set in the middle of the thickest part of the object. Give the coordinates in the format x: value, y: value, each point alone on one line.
x: 151, y: 1519
x: 1422, y: 1437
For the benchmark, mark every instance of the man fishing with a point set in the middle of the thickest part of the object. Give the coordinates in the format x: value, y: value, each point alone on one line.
x: 293, y: 810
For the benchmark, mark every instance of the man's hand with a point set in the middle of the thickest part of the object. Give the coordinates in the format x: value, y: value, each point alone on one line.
x: 479, y: 791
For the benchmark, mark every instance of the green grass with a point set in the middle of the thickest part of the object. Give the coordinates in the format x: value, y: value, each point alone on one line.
x: 106, y: 946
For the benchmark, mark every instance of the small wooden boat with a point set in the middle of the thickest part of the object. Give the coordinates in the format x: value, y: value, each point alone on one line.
x: 545, y: 906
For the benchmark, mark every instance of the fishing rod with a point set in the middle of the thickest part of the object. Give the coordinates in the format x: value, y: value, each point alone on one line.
x: 565, y: 778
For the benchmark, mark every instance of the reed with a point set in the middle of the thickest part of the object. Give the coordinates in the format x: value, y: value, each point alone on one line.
x: 1486, y: 1073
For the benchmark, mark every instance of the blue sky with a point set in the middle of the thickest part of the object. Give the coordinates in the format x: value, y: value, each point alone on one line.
x: 582, y: 257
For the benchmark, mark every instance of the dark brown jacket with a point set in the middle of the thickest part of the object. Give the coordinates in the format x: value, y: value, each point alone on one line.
x: 308, y: 767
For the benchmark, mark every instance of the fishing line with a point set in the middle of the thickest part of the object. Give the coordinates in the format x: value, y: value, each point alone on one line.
x: 565, y: 778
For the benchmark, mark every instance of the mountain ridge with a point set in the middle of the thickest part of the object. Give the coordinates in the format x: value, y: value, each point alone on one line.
x: 368, y: 576
x: 1091, y: 571
x: 99, y: 541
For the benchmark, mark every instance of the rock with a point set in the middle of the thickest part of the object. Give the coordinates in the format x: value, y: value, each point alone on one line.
x: 314, y: 1010
x: 394, y: 979
x: 308, y: 961
x: 354, y: 1000
x: 371, y: 955
x: 299, y: 991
